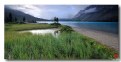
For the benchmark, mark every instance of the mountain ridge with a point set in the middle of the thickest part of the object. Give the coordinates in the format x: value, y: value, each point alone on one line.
x: 103, y: 13
x: 19, y: 15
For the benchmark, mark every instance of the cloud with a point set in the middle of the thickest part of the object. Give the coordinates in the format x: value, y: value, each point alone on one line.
x: 49, y: 11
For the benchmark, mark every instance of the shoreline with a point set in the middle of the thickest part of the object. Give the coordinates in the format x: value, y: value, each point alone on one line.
x: 105, y: 38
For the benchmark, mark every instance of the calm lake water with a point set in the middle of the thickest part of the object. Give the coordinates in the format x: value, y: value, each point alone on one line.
x: 112, y: 27
x: 42, y: 31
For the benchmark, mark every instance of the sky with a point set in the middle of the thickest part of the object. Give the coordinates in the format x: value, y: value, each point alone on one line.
x: 49, y: 11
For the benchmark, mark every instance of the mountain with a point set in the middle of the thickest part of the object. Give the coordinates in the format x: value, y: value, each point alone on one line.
x: 99, y: 13
x: 19, y: 15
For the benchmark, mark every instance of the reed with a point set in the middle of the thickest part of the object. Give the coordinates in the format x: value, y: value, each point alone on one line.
x: 26, y: 46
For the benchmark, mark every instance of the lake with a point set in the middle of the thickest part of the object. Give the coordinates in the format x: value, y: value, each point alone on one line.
x: 112, y: 27
x: 43, y: 31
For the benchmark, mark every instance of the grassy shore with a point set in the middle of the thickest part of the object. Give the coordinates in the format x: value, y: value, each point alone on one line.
x: 20, y: 27
x: 27, y: 46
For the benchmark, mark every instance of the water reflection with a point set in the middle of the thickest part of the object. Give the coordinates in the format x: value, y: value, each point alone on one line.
x: 54, y: 31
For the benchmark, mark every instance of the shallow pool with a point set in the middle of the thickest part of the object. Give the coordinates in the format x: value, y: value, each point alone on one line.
x: 43, y: 31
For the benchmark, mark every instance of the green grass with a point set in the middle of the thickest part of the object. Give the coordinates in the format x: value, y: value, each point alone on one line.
x: 65, y: 28
x: 20, y: 27
x: 26, y: 46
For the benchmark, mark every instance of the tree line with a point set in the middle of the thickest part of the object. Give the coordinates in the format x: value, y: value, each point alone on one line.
x: 13, y: 19
x: 10, y: 18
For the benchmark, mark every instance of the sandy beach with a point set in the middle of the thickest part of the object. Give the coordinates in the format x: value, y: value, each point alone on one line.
x: 109, y: 39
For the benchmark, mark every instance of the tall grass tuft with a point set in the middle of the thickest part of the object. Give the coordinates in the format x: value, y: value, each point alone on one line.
x: 26, y: 46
